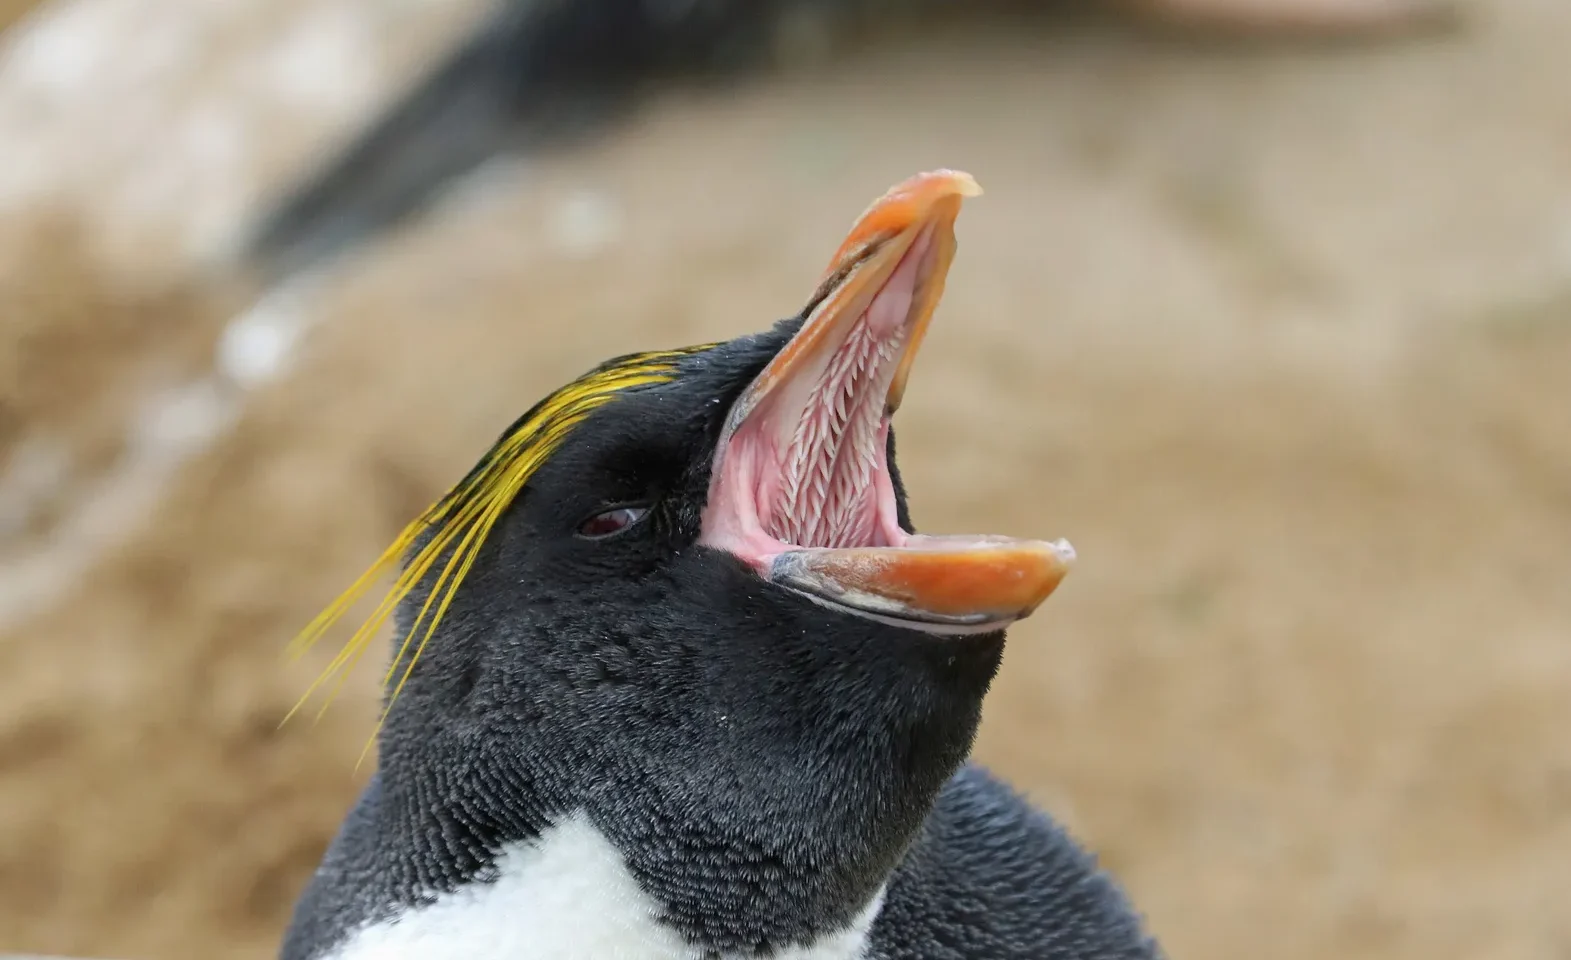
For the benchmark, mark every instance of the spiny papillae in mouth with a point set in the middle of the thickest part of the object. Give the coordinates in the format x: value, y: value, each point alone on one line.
x: 837, y: 452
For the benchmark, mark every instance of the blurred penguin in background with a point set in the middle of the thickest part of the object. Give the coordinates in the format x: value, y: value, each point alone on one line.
x: 536, y: 73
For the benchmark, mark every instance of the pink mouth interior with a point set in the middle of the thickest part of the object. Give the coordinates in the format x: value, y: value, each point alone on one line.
x: 809, y: 465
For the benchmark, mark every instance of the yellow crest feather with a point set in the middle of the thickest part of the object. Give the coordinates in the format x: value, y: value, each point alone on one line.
x: 462, y: 518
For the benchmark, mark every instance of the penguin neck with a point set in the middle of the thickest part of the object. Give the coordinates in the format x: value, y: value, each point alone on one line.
x: 747, y: 822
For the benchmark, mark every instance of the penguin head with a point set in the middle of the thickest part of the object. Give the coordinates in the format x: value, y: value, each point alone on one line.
x: 688, y: 584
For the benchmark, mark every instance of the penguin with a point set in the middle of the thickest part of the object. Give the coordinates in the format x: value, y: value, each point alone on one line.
x: 540, y: 74
x: 676, y: 679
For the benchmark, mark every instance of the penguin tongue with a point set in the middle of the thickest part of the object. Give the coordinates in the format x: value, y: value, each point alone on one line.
x: 801, y: 488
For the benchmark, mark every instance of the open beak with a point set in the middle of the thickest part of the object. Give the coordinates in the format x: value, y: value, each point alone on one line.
x: 801, y: 487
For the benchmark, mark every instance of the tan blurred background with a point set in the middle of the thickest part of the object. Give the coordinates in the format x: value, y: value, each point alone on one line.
x: 1279, y: 339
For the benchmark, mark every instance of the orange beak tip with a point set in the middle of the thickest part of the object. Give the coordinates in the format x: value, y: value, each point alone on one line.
x: 905, y: 205
x: 936, y: 183
x: 966, y: 185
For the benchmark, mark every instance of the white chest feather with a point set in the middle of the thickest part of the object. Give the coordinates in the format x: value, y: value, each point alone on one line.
x: 567, y: 896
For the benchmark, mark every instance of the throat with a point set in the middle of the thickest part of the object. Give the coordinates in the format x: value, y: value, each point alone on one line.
x: 811, y: 468
x: 837, y: 447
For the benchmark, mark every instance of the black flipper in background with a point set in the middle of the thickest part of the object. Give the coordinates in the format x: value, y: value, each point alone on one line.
x: 531, y: 75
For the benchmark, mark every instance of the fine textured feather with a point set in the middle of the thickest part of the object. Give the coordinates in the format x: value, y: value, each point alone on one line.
x: 458, y: 523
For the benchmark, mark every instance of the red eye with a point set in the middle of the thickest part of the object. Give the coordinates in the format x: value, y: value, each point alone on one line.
x: 612, y: 521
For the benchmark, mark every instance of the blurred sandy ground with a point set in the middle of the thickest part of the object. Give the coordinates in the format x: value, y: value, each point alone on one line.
x: 1279, y: 341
